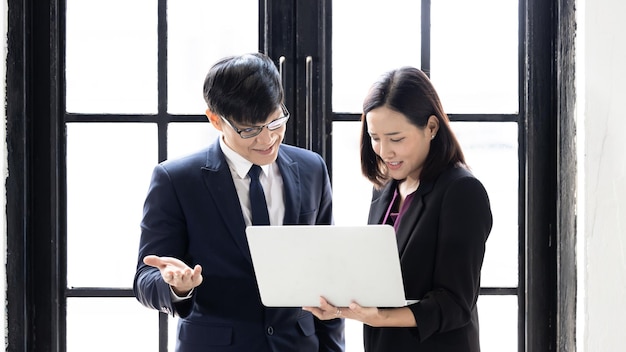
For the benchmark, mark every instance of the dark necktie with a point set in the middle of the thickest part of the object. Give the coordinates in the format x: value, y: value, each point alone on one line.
x: 258, y: 205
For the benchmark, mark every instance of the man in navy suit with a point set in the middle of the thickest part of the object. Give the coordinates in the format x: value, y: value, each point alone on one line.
x: 194, y: 261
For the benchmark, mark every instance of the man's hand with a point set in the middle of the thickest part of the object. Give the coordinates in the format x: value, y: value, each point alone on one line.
x: 176, y: 273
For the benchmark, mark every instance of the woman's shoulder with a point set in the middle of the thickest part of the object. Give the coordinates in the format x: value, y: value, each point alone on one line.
x: 459, y: 183
x: 457, y: 177
x: 455, y: 172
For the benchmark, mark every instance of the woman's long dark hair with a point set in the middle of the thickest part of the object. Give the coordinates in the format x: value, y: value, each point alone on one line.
x: 409, y: 91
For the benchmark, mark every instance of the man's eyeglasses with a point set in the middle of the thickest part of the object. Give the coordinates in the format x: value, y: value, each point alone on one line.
x: 254, y: 131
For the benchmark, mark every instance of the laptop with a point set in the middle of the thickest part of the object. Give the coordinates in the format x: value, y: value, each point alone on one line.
x: 296, y: 264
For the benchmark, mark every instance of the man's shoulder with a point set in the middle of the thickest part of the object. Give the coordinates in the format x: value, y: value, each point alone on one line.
x: 298, y: 152
x: 304, y: 158
x: 192, y: 161
x: 196, y: 156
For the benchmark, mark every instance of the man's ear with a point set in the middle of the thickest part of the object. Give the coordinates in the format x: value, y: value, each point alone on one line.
x: 214, y: 119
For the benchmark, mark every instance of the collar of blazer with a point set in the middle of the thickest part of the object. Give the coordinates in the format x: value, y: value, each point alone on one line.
x: 412, y: 215
x: 380, y: 202
x: 218, y: 180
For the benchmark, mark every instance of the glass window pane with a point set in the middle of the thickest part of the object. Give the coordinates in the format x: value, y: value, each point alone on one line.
x: 354, y: 336
x: 498, y: 323
x: 172, y: 330
x: 491, y: 151
x: 352, y: 192
x: 111, y: 56
x: 474, y: 63
x: 199, y: 33
x: 108, y: 171
x: 185, y: 138
x: 111, y: 324
x: 368, y: 40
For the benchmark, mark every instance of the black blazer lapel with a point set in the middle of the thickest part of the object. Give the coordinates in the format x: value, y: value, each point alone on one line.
x: 412, y: 216
x: 219, y: 183
x: 380, y: 202
x: 291, y: 187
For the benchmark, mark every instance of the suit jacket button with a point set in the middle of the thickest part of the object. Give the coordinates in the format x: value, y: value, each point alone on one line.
x: 270, y: 330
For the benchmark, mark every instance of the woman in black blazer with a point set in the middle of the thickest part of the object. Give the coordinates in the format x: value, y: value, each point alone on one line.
x: 441, y: 214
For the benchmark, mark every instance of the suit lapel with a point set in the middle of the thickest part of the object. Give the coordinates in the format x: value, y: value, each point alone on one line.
x: 412, y: 215
x: 219, y: 183
x: 291, y: 187
x: 380, y: 203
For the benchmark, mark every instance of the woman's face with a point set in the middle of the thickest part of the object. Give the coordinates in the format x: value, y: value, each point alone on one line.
x: 402, y: 145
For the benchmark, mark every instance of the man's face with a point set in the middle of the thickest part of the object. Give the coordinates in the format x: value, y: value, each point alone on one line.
x: 261, y: 149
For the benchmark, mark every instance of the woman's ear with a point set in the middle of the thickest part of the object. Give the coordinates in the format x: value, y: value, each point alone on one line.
x: 214, y: 119
x: 433, y: 126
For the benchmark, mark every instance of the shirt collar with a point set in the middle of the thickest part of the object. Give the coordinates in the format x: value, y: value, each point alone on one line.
x: 238, y: 163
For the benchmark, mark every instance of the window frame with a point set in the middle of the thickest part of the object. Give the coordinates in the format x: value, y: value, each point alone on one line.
x: 35, y: 186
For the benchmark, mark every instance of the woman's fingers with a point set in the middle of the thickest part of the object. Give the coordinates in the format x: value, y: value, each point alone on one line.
x: 325, y: 311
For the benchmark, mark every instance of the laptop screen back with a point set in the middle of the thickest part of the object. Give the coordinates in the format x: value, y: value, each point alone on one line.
x: 295, y: 265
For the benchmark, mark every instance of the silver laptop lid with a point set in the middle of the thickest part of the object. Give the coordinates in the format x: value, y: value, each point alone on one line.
x: 295, y: 265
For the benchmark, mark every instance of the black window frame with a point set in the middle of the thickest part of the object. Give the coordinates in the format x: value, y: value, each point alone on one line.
x: 35, y: 186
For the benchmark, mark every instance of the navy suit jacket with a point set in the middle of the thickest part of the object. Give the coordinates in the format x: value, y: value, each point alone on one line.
x: 441, y: 241
x: 192, y: 212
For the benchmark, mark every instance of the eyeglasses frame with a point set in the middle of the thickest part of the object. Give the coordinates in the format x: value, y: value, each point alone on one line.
x: 285, y: 116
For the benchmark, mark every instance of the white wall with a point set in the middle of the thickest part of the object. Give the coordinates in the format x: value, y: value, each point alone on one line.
x: 601, y: 79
